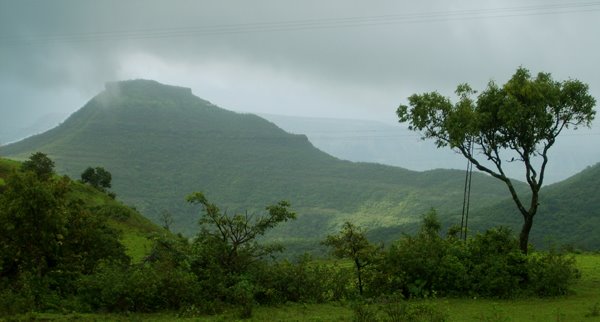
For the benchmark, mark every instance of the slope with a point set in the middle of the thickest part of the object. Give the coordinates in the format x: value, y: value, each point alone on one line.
x: 569, y: 213
x: 135, y: 229
x: 161, y: 143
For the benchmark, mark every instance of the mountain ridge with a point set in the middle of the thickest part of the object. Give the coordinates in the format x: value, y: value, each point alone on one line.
x: 162, y: 143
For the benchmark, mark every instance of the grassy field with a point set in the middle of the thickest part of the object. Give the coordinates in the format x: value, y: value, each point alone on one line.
x: 582, y: 305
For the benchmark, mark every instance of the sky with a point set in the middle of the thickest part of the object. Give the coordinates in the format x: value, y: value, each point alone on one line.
x: 315, y: 58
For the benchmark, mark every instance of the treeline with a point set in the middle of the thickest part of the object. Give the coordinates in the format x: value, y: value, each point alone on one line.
x: 57, y: 255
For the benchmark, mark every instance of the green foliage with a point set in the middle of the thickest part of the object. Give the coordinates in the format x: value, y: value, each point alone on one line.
x: 352, y: 243
x: 163, y: 281
x: 552, y: 273
x: 44, y: 232
x: 16, y: 299
x: 143, y: 288
x: 97, y: 177
x: 594, y: 311
x: 33, y: 224
x: 48, y: 240
x: 498, y: 267
x: 570, y: 213
x: 303, y: 281
x: 241, y: 161
x: 40, y: 164
x: 396, y: 310
x: 364, y: 312
x: 523, y: 117
x: 242, y: 294
x: 490, y: 264
x: 235, y: 238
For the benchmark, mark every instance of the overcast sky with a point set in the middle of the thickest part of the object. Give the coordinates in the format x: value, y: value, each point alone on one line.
x: 348, y: 59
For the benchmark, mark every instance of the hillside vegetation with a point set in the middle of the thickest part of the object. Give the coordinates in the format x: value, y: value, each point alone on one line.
x: 161, y: 143
x: 134, y: 229
x: 569, y: 213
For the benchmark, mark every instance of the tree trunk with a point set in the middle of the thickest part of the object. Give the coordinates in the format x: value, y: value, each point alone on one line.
x: 524, y: 235
x: 358, y: 273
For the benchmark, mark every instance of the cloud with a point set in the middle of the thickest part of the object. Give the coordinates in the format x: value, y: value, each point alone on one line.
x: 337, y: 58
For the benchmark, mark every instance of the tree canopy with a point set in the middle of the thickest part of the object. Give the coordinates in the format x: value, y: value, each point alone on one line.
x: 516, y: 122
x: 97, y: 177
x: 40, y: 164
x: 47, y: 234
x: 237, y: 236
x: 352, y: 243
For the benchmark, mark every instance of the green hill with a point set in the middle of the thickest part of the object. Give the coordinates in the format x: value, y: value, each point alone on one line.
x: 161, y: 143
x: 569, y: 212
x: 134, y: 228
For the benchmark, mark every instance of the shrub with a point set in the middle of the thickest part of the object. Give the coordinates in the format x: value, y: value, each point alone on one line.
x: 497, y: 266
x: 395, y: 309
x: 364, y: 312
x: 490, y: 264
x: 302, y: 281
x: 424, y: 265
x: 15, y: 302
x: 143, y: 288
x: 551, y: 273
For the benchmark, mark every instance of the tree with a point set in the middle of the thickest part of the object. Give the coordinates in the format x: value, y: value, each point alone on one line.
x: 40, y: 164
x: 166, y: 218
x: 32, y: 224
x: 522, y: 118
x: 235, y: 237
x: 97, y: 177
x: 352, y: 243
x: 44, y: 230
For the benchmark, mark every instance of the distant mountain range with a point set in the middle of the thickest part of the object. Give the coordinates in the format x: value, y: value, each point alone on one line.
x: 161, y: 143
x: 394, y: 144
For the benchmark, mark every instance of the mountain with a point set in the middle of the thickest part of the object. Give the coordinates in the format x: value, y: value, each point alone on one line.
x: 394, y: 144
x: 162, y: 143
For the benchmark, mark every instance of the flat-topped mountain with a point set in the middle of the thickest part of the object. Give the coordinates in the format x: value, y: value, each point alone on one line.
x: 161, y: 143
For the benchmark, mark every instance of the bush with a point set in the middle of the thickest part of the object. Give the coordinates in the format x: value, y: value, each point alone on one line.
x: 490, y: 264
x: 302, y: 281
x: 551, y: 273
x: 395, y: 309
x: 497, y: 266
x: 424, y: 265
x: 141, y: 288
x: 15, y: 302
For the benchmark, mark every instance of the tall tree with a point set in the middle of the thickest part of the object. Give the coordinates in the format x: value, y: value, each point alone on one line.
x: 516, y: 122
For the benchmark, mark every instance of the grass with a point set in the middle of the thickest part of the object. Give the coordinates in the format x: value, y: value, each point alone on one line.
x: 136, y: 246
x: 134, y: 228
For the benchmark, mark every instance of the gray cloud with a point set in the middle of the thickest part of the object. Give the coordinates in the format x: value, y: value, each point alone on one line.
x: 356, y: 59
